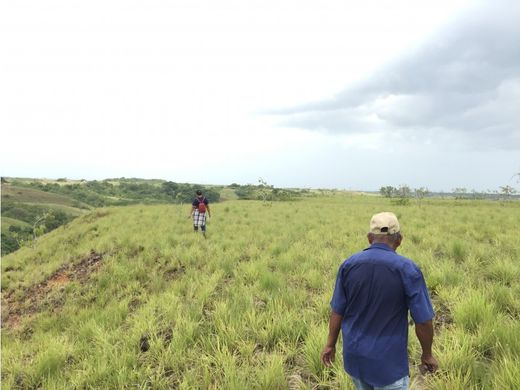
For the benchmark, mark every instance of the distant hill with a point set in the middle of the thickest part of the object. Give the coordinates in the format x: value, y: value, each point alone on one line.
x: 38, y: 196
x: 26, y: 211
x: 32, y: 206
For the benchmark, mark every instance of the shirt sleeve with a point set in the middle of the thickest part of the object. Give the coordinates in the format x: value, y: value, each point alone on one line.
x: 339, y: 298
x: 417, y: 296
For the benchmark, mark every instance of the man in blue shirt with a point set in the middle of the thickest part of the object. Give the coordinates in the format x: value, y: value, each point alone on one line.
x: 375, y: 289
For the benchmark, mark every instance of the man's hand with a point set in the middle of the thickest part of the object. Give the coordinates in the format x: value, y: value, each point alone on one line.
x: 424, y: 332
x: 429, y: 364
x: 328, y: 355
x: 329, y: 352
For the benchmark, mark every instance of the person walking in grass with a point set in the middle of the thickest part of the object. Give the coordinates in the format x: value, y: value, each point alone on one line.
x: 199, y: 207
x: 374, y: 291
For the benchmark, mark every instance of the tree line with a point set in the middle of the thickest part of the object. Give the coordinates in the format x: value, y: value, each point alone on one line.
x: 403, y: 193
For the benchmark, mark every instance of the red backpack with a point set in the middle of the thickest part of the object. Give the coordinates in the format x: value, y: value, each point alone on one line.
x: 202, y: 206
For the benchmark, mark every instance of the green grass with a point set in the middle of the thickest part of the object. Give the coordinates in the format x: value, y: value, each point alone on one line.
x: 247, y: 308
x: 6, y: 222
x: 22, y: 207
x: 35, y: 196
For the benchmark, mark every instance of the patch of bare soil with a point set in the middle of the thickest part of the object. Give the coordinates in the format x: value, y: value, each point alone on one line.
x: 443, y: 316
x: 43, y: 295
x: 165, y: 334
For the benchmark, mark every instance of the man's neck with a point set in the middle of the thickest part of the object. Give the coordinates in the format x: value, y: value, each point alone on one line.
x: 385, y: 242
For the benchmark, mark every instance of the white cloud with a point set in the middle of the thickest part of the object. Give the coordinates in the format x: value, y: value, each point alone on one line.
x: 175, y: 89
x: 462, y: 80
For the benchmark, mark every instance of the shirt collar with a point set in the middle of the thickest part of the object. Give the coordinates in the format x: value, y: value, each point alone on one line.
x: 380, y: 245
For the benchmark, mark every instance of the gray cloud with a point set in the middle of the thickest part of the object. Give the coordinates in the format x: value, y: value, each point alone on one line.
x: 466, y: 79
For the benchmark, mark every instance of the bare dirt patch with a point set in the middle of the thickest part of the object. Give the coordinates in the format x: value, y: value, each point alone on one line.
x: 174, y: 272
x: 44, y: 295
x: 443, y: 316
x: 58, y: 280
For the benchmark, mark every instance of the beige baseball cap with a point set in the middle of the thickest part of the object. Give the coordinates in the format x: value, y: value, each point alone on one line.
x: 384, y: 223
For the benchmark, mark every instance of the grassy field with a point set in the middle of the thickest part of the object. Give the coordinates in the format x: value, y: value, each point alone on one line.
x: 33, y: 196
x: 129, y: 297
x: 6, y: 222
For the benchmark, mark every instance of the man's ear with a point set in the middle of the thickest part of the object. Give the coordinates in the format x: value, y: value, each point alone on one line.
x: 398, y: 243
x: 370, y: 238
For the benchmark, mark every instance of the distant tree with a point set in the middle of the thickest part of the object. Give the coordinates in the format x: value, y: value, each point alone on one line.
x: 507, y: 191
x: 460, y: 192
x: 404, y: 191
x: 244, y: 192
x: 55, y: 219
x: 170, y: 188
x: 38, y: 226
x: 421, y: 193
x: 10, y: 243
x: 388, y: 191
x: 265, y: 191
x: 283, y: 195
x: 14, y: 228
x: 402, y: 195
x: 477, y: 194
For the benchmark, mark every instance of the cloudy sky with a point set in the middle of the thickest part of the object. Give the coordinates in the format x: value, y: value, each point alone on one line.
x: 334, y: 94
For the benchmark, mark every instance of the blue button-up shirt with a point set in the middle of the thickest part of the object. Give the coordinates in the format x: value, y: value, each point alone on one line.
x: 374, y: 291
